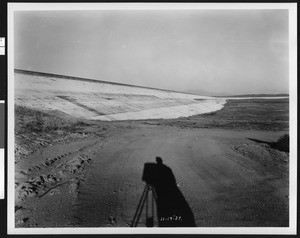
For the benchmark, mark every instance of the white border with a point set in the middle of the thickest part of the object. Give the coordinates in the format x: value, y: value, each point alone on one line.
x: 2, y: 171
x: 145, y: 6
x: 292, y: 7
x: 2, y: 174
x: 293, y: 116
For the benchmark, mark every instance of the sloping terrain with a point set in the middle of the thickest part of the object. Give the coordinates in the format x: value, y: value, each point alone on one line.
x: 91, y: 99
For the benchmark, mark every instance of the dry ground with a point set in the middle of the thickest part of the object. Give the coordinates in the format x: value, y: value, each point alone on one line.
x: 72, y: 173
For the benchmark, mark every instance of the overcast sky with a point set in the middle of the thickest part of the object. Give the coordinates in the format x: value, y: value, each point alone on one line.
x: 230, y: 51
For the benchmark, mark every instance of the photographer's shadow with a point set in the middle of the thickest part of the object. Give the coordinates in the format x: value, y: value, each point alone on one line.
x: 172, y: 208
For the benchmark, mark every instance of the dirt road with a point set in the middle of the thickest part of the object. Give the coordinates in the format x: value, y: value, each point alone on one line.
x: 221, y: 186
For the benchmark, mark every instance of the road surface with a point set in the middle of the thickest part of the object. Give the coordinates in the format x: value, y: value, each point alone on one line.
x: 223, y: 188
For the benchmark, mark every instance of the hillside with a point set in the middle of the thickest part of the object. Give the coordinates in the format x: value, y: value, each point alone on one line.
x: 99, y: 100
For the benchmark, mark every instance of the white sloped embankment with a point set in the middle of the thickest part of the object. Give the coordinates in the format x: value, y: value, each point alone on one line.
x: 167, y: 112
x: 106, y: 101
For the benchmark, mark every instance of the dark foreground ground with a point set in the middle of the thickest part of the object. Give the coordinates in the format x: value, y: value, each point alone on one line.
x: 228, y: 166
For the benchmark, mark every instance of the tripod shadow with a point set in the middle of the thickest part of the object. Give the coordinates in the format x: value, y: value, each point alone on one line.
x: 172, y: 208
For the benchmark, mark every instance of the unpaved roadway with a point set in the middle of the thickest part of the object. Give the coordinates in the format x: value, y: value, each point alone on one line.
x: 221, y: 186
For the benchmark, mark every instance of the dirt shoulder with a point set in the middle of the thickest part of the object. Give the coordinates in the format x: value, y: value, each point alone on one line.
x: 52, y: 152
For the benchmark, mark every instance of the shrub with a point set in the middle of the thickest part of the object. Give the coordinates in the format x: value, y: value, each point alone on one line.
x: 37, y: 121
x: 283, y: 143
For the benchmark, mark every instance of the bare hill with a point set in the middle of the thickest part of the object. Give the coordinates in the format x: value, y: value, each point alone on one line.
x: 100, y: 100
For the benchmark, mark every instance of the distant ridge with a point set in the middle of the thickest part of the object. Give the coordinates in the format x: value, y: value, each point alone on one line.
x: 207, y: 93
x: 256, y: 95
x: 90, y: 80
x: 226, y: 95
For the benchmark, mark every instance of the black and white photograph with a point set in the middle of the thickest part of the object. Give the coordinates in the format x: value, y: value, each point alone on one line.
x: 152, y: 118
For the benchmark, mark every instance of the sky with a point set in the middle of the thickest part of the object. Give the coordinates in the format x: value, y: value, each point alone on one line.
x: 227, y: 51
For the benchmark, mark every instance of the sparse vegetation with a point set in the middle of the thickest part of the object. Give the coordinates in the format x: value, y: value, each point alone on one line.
x: 283, y: 143
x: 245, y: 114
x: 31, y: 120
